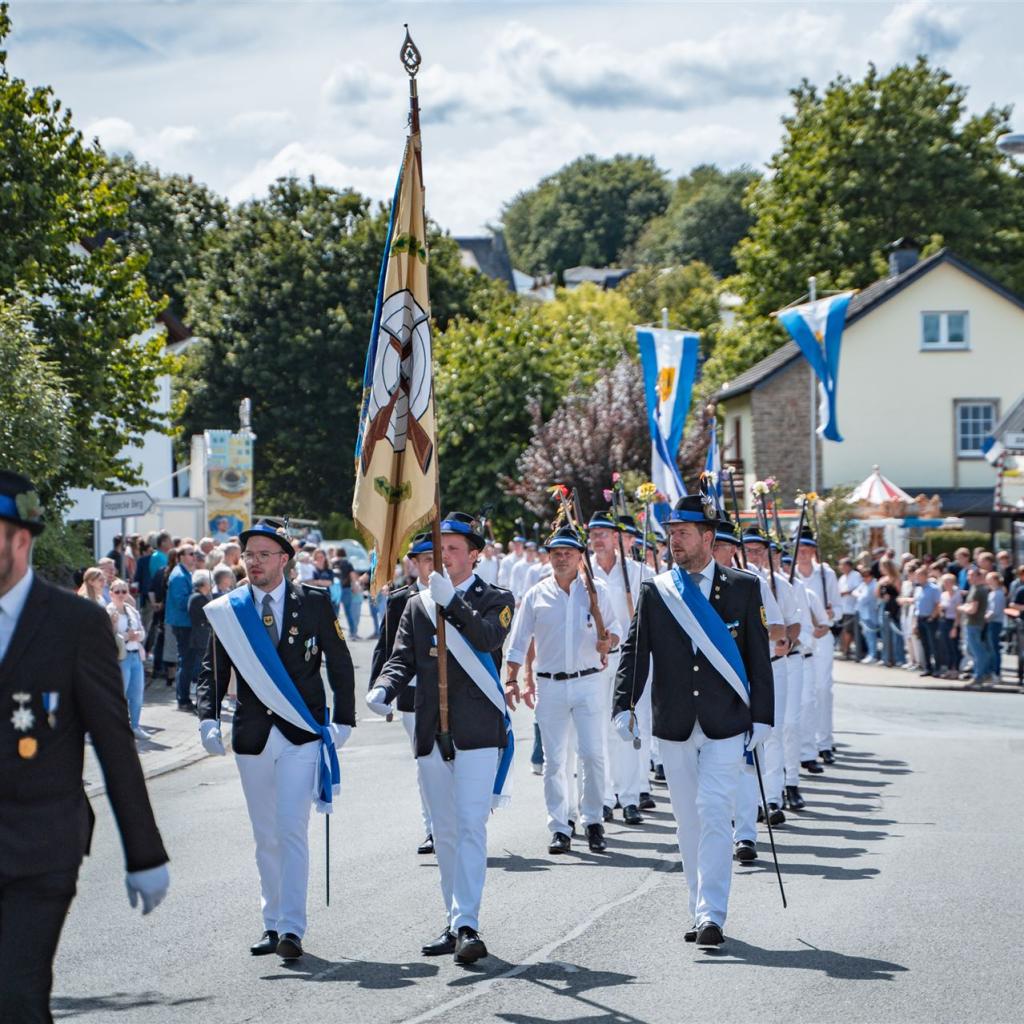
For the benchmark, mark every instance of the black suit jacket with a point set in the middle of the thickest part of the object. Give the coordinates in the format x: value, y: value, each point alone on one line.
x: 397, y: 601
x: 686, y: 687
x: 64, y: 644
x: 483, y: 614
x: 307, y: 611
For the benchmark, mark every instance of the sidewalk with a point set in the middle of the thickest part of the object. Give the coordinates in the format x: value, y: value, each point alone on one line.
x: 878, y: 675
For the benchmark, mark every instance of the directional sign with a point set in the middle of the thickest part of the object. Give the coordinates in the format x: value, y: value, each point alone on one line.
x: 125, y: 504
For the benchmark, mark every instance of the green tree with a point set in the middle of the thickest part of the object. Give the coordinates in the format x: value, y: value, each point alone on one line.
x: 173, y: 220
x: 499, y: 376
x: 865, y: 162
x: 284, y: 306
x: 704, y: 220
x: 588, y: 213
x: 89, y: 306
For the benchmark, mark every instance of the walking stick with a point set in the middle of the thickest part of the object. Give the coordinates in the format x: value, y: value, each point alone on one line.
x: 796, y: 543
x: 736, y: 512
x: 327, y: 837
x: 616, y: 494
x: 768, y: 822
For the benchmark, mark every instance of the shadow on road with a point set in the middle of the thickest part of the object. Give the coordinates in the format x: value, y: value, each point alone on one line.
x: 829, y: 963
x: 66, y: 1007
x: 364, y: 973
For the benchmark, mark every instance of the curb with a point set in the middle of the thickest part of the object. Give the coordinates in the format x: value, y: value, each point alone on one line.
x: 993, y: 688
x: 99, y: 788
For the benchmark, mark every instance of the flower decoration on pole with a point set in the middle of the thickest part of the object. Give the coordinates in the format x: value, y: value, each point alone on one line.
x: 646, y: 493
x: 759, y: 488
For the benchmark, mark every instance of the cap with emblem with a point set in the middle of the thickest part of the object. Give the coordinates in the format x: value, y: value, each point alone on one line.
x: 273, y: 529
x: 19, y: 502
x: 628, y: 525
x: 726, y: 532
x: 693, y: 508
x: 422, y: 544
x: 565, y: 537
x: 604, y: 520
x: 465, y: 526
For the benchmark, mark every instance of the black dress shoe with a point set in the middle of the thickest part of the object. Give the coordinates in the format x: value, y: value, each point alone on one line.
x: 289, y: 946
x: 745, y: 851
x: 443, y: 945
x: 607, y: 813
x: 631, y: 815
x: 812, y: 767
x: 794, y: 801
x: 560, y: 843
x: 469, y: 947
x: 659, y: 773
x: 709, y: 934
x: 186, y: 705
x: 690, y: 935
x: 266, y: 945
x: 775, y: 815
x: 427, y: 846
x: 646, y: 802
x: 572, y: 827
x: 827, y: 756
x: 595, y: 838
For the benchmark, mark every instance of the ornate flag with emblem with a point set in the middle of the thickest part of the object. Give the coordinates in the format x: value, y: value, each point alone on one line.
x: 396, y: 457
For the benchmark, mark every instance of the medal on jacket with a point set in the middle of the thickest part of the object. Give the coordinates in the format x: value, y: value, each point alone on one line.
x: 310, y: 646
x: 22, y: 719
x: 268, y: 620
x: 51, y: 698
x: 293, y: 632
x: 27, y: 747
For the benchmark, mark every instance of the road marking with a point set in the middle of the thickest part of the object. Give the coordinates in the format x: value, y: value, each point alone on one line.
x: 543, y: 954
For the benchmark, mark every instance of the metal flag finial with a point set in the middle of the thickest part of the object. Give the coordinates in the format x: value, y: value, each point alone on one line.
x: 409, y: 55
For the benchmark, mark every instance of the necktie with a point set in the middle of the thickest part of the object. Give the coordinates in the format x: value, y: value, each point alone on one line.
x: 268, y: 619
x: 698, y: 579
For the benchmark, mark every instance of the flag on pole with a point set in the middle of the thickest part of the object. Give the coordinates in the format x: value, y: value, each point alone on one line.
x: 992, y: 449
x: 817, y: 328
x: 713, y: 463
x: 396, y: 457
x: 669, y: 360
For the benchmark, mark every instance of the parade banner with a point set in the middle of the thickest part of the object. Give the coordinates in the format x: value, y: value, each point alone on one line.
x: 817, y: 329
x: 396, y: 463
x: 228, y: 483
x: 713, y: 463
x: 669, y: 361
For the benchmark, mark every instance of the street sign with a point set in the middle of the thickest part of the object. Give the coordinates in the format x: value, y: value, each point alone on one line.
x: 125, y: 504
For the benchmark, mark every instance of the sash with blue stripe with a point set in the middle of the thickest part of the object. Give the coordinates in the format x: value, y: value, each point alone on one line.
x: 240, y: 630
x: 479, y: 666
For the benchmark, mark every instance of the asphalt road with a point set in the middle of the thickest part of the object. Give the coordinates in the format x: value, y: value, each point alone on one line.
x: 902, y: 877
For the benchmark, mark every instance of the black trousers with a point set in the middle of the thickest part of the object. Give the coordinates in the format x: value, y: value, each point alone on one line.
x: 32, y: 913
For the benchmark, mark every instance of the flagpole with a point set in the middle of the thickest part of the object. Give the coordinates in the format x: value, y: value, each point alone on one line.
x: 812, y: 291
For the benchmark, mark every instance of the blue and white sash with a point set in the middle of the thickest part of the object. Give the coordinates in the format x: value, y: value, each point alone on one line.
x: 480, y: 668
x: 240, y: 630
x: 705, y: 627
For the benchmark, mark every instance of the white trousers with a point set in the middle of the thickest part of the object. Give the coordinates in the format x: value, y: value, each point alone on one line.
x: 583, y: 703
x: 809, y: 712
x: 773, y: 758
x: 701, y: 775
x: 748, y: 796
x: 278, y: 786
x: 459, y: 797
x: 791, y: 721
x: 629, y: 768
x: 824, y: 656
x: 409, y: 722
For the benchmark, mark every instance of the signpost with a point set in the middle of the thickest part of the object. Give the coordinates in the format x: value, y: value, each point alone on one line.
x: 124, y: 505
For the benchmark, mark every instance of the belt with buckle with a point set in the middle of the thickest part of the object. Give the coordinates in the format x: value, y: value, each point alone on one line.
x: 567, y: 675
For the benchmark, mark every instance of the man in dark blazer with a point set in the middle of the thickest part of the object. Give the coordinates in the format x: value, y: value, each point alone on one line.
x: 421, y: 554
x: 700, y: 717
x: 59, y: 679
x: 458, y: 790
x: 277, y: 760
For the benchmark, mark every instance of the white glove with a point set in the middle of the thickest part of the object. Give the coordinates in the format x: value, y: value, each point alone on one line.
x: 209, y: 733
x: 151, y: 885
x: 340, y: 733
x: 376, y: 701
x: 621, y: 722
x: 441, y: 589
x: 759, y: 733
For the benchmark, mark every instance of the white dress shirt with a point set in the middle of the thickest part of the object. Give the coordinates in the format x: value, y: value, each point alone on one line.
x: 562, y: 625
x: 276, y: 603
x: 617, y: 585
x: 11, y: 605
x: 508, y: 563
x: 487, y: 569
x: 517, y: 578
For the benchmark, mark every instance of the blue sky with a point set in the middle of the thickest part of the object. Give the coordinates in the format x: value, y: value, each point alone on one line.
x: 238, y: 94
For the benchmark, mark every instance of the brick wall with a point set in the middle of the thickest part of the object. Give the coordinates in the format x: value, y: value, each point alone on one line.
x: 780, y: 412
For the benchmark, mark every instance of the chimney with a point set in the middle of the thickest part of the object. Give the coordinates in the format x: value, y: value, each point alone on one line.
x: 903, y: 254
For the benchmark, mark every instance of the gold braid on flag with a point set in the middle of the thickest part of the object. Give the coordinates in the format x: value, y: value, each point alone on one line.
x: 396, y: 451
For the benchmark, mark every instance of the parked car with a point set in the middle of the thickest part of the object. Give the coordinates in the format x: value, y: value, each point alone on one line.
x: 354, y: 552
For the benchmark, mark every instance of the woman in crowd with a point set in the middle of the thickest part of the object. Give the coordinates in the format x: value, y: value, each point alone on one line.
x: 93, y: 582
x: 199, y: 638
x: 949, y: 638
x: 322, y: 575
x: 131, y: 634
x: 995, y: 617
x: 867, y: 614
x: 887, y: 591
x: 169, y: 648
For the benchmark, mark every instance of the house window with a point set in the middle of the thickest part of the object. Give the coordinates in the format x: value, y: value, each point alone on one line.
x: 974, y: 422
x: 944, y: 330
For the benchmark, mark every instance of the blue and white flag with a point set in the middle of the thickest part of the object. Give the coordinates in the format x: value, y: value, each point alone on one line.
x: 817, y: 328
x: 669, y: 360
x: 713, y: 464
x: 992, y: 450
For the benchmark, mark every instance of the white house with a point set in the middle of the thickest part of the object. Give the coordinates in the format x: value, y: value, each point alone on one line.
x: 932, y: 357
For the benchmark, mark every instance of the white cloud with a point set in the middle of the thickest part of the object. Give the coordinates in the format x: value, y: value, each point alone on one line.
x: 912, y: 28
x: 117, y: 135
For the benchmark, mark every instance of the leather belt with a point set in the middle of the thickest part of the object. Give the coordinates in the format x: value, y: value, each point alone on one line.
x: 778, y: 657
x: 567, y: 675
x: 809, y: 655
x: 615, y: 650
